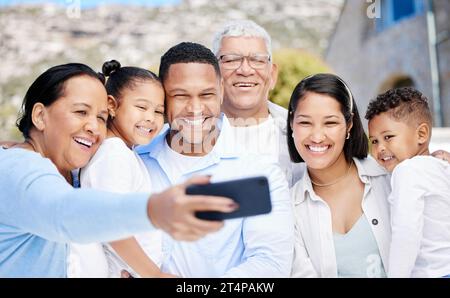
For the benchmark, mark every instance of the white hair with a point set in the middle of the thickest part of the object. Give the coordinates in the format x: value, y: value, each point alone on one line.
x: 241, y: 28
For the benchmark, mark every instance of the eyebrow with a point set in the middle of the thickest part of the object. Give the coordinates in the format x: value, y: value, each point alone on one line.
x: 307, y: 116
x: 177, y: 90
x: 82, y: 104
x: 209, y: 90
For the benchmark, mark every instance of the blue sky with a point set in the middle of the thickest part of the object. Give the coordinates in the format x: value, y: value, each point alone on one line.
x: 90, y: 3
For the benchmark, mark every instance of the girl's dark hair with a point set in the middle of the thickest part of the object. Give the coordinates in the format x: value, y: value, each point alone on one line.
x: 124, y: 77
x: 48, y: 87
x: 357, y: 145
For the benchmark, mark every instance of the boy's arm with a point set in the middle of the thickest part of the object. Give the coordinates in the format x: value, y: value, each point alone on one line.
x: 407, y: 199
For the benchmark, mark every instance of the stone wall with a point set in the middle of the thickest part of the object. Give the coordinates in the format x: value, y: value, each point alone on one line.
x: 372, y: 61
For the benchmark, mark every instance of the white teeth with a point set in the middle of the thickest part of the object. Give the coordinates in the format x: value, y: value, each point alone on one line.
x: 318, y: 148
x: 386, y: 158
x: 194, y: 122
x: 84, y: 142
x: 147, y: 130
x: 245, y: 84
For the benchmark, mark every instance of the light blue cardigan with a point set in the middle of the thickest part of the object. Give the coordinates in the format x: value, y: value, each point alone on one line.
x: 40, y: 213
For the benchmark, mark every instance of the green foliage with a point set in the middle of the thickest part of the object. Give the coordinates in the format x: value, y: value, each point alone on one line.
x: 293, y: 66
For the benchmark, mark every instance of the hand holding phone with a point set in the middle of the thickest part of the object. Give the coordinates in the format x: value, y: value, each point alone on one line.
x: 251, y: 194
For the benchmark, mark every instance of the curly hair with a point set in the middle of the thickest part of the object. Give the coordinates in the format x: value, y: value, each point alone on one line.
x: 405, y: 104
x: 187, y: 52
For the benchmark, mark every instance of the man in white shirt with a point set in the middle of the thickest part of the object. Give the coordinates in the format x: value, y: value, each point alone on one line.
x: 200, y: 141
x: 245, y: 58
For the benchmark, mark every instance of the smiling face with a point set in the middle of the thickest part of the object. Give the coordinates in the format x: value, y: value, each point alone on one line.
x: 193, y: 94
x: 73, y: 127
x: 319, y: 130
x: 139, y: 115
x: 246, y: 88
x: 394, y: 141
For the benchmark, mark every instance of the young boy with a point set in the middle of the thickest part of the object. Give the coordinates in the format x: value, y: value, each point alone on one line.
x: 400, y: 124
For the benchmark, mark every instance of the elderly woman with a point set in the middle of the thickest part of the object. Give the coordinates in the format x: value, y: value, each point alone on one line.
x: 64, y: 122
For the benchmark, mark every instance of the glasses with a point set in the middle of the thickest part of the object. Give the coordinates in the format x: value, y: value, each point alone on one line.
x: 232, y: 62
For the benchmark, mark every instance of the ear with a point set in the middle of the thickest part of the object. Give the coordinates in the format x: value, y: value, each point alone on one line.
x: 423, y: 133
x: 273, y: 75
x: 38, y: 116
x: 112, y: 106
x: 221, y: 90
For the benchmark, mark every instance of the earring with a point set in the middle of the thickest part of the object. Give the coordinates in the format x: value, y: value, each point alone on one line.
x: 348, y: 136
x: 293, y: 135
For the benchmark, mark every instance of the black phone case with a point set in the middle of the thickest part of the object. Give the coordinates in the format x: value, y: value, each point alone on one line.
x: 252, y: 195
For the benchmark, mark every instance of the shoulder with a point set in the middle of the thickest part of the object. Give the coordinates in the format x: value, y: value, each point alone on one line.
x: 113, y: 145
x: 25, y: 160
x: 370, y: 168
x: 429, y: 167
x: 279, y: 115
x: 421, y: 162
x: 112, y: 151
x: 23, y: 167
x: 277, y: 111
x: 156, y: 144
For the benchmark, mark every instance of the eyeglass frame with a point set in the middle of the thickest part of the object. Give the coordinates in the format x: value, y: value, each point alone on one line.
x: 248, y: 57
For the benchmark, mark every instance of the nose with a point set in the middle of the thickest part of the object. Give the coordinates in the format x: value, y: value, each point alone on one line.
x: 150, y: 116
x: 195, y: 106
x: 317, y: 135
x: 245, y: 68
x: 378, y: 148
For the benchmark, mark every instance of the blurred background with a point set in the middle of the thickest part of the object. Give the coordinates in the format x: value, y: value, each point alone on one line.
x: 374, y: 45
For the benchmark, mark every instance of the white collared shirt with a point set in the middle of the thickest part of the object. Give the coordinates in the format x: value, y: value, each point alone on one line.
x: 314, y: 254
x: 256, y: 246
x: 420, y: 214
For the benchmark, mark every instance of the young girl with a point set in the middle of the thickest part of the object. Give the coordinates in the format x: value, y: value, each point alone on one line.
x: 136, y: 115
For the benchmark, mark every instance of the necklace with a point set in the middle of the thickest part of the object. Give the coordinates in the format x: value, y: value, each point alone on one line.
x: 335, y: 181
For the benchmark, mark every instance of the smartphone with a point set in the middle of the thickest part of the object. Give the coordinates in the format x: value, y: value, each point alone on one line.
x: 252, y: 194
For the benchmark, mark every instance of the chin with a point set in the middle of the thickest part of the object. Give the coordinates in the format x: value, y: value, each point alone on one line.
x: 317, y: 164
x: 142, y: 141
x: 80, y: 164
x: 245, y: 102
x: 192, y: 141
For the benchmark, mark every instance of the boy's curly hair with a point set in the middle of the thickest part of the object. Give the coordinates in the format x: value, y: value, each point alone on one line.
x: 405, y: 104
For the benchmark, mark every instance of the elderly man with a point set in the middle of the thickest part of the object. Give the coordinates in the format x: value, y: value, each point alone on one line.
x: 245, y: 58
x: 199, y: 142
